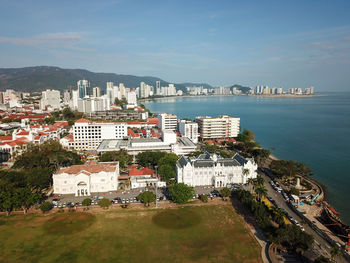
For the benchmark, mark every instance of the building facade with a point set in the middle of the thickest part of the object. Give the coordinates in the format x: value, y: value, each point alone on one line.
x: 211, y: 169
x: 218, y: 127
x: 167, y: 121
x: 82, y: 180
x: 50, y: 98
x: 189, y: 129
x: 88, y: 135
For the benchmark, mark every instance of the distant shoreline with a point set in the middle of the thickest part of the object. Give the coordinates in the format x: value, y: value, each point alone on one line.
x: 233, y: 95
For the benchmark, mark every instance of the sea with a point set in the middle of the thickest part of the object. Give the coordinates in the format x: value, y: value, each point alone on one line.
x: 311, y: 130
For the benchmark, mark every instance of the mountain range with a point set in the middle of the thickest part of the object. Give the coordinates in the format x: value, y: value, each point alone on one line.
x: 31, y: 79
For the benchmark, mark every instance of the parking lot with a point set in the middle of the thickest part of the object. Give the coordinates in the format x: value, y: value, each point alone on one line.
x: 126, y: 196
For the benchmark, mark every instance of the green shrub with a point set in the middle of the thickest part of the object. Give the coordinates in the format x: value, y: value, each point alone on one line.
x: 45, y: 207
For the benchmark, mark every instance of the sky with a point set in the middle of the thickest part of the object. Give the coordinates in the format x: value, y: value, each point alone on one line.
x: 276, y: 43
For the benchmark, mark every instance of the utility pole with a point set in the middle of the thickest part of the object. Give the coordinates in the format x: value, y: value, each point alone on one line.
x: 156, y: 185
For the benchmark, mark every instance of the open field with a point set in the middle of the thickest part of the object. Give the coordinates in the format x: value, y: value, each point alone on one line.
x: 188, y: 234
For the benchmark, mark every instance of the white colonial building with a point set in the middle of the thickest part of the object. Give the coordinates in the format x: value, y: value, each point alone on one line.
x: 211, y: 169
x: 82, y: 180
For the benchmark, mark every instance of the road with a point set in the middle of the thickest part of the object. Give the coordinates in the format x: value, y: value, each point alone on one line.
x: 320, y: 246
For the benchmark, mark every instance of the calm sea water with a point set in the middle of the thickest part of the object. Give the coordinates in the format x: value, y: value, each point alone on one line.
x: 315, y: 131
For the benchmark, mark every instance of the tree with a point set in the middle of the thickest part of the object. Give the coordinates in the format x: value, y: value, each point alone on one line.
x: 259, y: 180
x: 335, y: 252
x: 250, y: 135
x: 45, y: 207
x: 291, y: 237
x: 168, y: 159
x: 8, y: 201
x: 104, y: 203
x: 121, y: 156
x: 204, y: 198
x: 225, y: 192
x: 167, y: 172
x: 282, y: 168
x: 181, y: 193
x: 149, y: 159
x: 86, y: 202
x: 147, y: 197
x: 294, y: 191
x: 322, y: 259
x: 250, y: 180
x: 245, y: 171
x: 277, y: 215
x: 26, y: 198
x: 261, y: 191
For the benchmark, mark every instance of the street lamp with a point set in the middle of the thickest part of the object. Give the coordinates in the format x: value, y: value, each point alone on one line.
x: 156, y: 167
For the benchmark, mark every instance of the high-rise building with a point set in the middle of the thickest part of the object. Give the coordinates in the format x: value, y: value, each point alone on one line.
x: 96, y: 92
x: 2, y: 98
x: 167, y: 121
x: 157, y: 91
x: 218, y: 127
x: 122, y: 90
x: 83, y: 88
x: 131, y: 98
x: 75, y: 97
x: 110, y: 91
x: 189, y: 129
x: 50, y: 98
x: 66, y: 96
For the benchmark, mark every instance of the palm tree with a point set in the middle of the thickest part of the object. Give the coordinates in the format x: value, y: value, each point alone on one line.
x: 259, y: 180
x: 277, y: 215
x: 335, y: 252
x: 245, y: 171
x: 250, y: 181
x: 261, y: 191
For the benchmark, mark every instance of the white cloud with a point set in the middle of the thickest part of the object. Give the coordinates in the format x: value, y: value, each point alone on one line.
x: 67, y: 39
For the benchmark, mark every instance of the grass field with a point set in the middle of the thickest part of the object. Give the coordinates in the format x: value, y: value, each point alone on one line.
x: 188, y: 234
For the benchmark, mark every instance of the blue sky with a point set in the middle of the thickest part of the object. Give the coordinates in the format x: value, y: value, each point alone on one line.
x: 275, y: 43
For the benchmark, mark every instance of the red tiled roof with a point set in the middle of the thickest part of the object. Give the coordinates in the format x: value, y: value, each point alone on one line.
x: 5, y: 138
x: 152, y: 121
x: 23, y: 133
x: 82, y: 120
x: 91, y: 167
x: 143, y: 171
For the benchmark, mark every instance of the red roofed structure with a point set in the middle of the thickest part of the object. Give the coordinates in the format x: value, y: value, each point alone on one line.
x: 141, y: 172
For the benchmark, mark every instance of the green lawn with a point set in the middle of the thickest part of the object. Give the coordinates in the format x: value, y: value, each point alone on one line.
x: 189, y: 234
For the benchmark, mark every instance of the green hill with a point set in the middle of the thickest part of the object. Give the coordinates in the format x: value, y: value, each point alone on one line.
x: 40, y: 78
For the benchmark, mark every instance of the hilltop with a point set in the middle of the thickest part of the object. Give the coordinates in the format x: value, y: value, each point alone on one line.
x: 39, y: 78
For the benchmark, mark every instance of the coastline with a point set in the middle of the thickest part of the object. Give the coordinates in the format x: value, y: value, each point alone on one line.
x: 289, y: 96
x: 322, y: 187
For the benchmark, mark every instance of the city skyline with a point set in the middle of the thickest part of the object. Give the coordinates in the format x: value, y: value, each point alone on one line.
x: 289, y: 44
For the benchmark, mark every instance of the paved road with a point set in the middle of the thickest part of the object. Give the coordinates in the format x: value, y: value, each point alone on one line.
x: 320, y: 246
x: 128, y: 194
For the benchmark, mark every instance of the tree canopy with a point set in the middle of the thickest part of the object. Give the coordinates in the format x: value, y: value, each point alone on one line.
x: 121, y: 156
x: 146, y: 197
x: 166, y: 163
x: 181, y: 193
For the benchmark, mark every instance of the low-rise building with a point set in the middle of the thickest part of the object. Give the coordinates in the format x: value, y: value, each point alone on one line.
x: 211, y: 169
x: 82, y: 180
x: 168, y: 143
x: 89, y: 134
x: 145, y: 177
